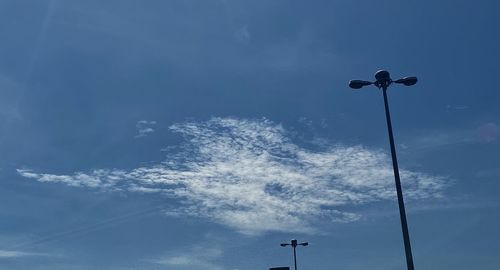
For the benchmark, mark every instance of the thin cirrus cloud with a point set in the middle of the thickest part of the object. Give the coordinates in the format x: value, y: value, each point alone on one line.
x: 196, y: 258
x: 144, y: 128
x: 9, y: 254
x: 250, y: 175
x: 486, y: 133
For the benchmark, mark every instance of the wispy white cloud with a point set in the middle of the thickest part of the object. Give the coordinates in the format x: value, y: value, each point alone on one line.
x: 243, y: 35
x: 492, y: 173
x: 488, y: 132
x: 430, y: 139
x: 199, y: 257
x: 252, y: 176
x: 17, y: 254
x: 9, y: 99
x: 207, y: 254
x: 456, y: 107
x: 144, y: 128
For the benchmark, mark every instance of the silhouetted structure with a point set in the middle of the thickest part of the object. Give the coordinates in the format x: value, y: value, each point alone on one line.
x: 280, y: 268
x: 383, y: 80
x: 294, y: 245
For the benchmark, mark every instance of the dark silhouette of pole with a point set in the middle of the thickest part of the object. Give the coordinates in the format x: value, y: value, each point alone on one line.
x: 294, y: 245
x: 402, y: 211
x: 383, y: 82
x: 295, y: 257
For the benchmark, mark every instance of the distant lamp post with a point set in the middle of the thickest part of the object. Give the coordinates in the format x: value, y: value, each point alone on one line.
x: 294, y: 245
x: 383, y: 80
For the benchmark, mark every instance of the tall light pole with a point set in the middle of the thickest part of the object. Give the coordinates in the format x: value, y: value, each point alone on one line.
x: 383, y: 80
x: 294, y: 245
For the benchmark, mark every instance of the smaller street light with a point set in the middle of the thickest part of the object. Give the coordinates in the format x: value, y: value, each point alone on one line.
x: 383, y: 81
x: 294, y: 245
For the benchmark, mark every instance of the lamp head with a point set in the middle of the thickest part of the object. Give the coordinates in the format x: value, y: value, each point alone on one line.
x: 408, y: 81
x: 357, y: 84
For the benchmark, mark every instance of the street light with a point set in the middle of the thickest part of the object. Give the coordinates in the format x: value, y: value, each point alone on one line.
x: 383, y: 80
x: 294, y: 244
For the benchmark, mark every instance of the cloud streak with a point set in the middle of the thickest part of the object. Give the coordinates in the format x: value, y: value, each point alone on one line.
x: 144, y: 128
x: 195, y: 258
x: 250, y: 175
x: 9, y: 254
x: 486, y: 133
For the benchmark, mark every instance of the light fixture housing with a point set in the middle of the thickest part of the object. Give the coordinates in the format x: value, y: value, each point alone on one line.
x: 408, y: 81
x: 357, y: 84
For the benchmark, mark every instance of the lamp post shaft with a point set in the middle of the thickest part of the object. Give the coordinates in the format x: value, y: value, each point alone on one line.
x: 295, y: 258
x: 402, y: 212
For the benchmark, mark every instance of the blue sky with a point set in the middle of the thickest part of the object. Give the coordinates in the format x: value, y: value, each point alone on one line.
x: 201, y: 134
